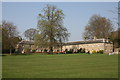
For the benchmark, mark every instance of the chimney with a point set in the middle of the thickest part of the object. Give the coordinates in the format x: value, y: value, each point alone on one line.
x: 94, y: 38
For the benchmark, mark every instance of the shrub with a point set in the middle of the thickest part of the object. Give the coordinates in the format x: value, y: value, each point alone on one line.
x: 33, y: 51
x: 80, y: 50
x: 100, y: 51
x: 69, y: 52
x: 83, y: 50
x: 94, y: 52
x: 88, y: 52
x: 45, y: 50
x: 66, y: 50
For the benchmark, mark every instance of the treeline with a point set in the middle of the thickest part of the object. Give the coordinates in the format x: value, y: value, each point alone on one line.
x: 10, y: 37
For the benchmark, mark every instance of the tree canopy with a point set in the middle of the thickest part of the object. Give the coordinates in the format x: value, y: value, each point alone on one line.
x: 10, y: 36
x: 51, y: 31
x: 99, y: 27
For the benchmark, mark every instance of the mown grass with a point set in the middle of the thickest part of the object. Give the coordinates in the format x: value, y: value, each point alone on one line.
x: 60, y: 66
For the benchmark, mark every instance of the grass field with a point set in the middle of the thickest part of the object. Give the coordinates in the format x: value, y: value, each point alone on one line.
x: 60, y: 66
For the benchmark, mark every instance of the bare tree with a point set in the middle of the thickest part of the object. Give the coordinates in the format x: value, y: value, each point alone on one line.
x: 115, y: 36
x: 99, y: 27
x: 30, y: 33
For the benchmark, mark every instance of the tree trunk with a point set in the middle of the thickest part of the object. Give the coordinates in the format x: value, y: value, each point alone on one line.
x: 61, y: 47
x: 51, y: 50
x: 10, y: 51
x: 113, y: 46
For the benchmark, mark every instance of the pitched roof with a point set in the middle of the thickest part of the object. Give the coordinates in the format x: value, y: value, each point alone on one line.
x: 71, y: 43
x: 26, y: 42
x: 87, y: 42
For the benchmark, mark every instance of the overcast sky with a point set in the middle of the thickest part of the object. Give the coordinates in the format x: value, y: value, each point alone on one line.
x: 24, y: 14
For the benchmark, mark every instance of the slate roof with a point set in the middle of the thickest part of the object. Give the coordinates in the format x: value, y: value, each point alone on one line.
x: 71, y: 43
x: 87, y: 42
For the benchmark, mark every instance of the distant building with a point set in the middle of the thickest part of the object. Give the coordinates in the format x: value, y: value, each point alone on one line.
x: 21, y: 46
x: 89, y: 45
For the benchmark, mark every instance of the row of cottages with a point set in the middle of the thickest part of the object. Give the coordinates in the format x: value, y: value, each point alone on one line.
x: 89, y: 45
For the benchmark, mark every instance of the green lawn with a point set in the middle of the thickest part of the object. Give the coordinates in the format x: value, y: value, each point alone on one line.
x: 61, y: 66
